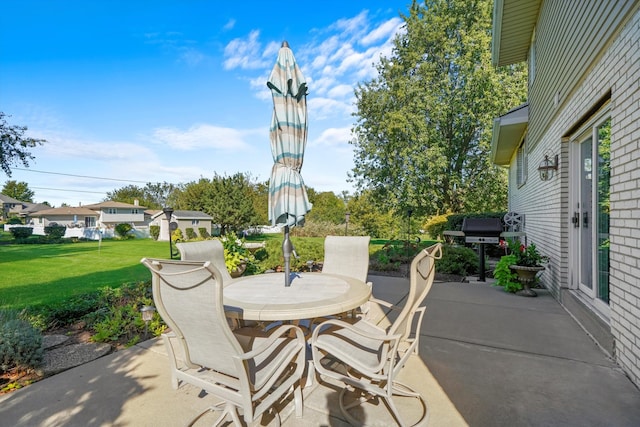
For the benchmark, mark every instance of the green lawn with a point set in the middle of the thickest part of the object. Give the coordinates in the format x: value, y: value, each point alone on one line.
x: 42, y: 274
x: 34, y: 274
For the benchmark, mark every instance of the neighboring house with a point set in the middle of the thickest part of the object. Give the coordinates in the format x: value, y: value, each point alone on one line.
x: 583, y: 116
x: 184, y: 220
x: 31, y: 208
x: 77, y: 217
x: 10, y: 206
x: 113, y: 213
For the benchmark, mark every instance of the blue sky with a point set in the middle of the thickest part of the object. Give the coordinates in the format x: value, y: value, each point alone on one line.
x: 176, y: 90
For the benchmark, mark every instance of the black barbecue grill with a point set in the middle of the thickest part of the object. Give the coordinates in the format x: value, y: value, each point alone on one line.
x: 482, y: 231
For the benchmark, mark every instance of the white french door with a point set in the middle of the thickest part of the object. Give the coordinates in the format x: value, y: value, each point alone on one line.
x: 589, y: 201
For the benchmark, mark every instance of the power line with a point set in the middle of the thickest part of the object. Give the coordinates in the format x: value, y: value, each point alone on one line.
x: 81, y: 176
x: 70, y: 191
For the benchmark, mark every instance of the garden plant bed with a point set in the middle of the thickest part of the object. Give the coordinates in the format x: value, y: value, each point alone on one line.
x: 65, y: 348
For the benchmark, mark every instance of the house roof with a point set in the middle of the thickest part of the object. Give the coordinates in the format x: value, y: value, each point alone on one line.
x: 513, y: 24
x: 180, y: 214
x: 508, y: 131
x: 65, y: 211
x: 10, y: 200
x: 34, y: 207
x: 113, y: 204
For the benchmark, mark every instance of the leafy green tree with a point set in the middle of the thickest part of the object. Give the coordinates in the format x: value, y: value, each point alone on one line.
x: 260, y: 200
x: 151, y: 196
x: 228, y: 199
x: 231, y: 203
x: 326, y: 207
x: 423, y: 130
x: 127, y: 194
x: 14, y: 146
x: 18, y: 190
x: 376, y: 220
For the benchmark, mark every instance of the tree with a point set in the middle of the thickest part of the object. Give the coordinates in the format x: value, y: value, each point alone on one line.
x: 228, y: 199
x: 14, y: 145
x: 151, y: 196
x: 18, y: 190
x: 373, y: 218
x: 423, y: 130
x: 326, y: 207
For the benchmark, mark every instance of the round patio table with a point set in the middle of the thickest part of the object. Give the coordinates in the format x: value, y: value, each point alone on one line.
x: 311, y: 295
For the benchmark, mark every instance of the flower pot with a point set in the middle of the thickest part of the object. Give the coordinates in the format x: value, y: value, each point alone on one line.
x: 526, y: 277
x: 239, y: 270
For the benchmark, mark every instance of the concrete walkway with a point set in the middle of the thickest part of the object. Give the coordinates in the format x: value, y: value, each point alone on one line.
x: 486, y: 359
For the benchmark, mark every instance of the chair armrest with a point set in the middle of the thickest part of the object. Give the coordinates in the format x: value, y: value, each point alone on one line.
x: 380, y: 334
x: 345, y: 341
x: 272, y: 341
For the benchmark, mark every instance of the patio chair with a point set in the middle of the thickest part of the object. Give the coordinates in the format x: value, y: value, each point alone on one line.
x: 367, y: 358
x: 347, y: 256
x: 250, y: 370
x: 206, y: 250
x: 213, y: 251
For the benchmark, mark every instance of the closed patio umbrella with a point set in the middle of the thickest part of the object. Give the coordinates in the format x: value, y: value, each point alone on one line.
x: 288, y: 201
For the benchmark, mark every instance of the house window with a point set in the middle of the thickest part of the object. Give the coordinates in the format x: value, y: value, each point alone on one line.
x: 521, y: 164
x: 112, y: 211
x: 89, y: 221
x: 195, y: 221
x: 134, y: 211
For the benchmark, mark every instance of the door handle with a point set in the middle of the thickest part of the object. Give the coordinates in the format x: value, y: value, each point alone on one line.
x: 575, y: 220
x: 585, y: 219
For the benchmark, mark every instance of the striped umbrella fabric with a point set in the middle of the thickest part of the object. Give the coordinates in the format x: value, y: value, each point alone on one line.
x: 288, y: 200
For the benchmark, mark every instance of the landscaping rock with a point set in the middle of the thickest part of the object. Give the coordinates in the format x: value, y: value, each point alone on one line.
x: 52, y: 341
x: 69, y: 356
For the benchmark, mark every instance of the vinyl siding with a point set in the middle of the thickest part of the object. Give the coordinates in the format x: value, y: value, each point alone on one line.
x: 570, y: 36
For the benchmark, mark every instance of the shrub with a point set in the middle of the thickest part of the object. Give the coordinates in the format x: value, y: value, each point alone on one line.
x: 204, y: 233
x: 20, y: 343
x: 504, y: 276
x: 326, y: 228
x: 120, y: 320
x: 436, y: 225
x: 154, y: 230
x: 55, y: 232
x: 66, y: 312
x: 271, y: 256
x: 176, y: 236
x: 190, y: 233
x: 21, y: 232
x: 458, y: 260
x: 14, y: 220
x: 123, y: 229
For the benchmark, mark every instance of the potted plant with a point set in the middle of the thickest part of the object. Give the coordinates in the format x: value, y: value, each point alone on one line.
x: 517, y: 270
x: 236, y: 255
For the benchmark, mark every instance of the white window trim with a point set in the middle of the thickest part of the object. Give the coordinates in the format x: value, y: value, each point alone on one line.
x: 522, y: 160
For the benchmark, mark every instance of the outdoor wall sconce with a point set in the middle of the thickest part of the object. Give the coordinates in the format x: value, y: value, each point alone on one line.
x: 547, y: 167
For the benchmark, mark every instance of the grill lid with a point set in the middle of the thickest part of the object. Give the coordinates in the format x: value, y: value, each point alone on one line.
x: 482, y: 227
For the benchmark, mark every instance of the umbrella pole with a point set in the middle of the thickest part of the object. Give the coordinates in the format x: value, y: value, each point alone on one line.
x: 287, y: 248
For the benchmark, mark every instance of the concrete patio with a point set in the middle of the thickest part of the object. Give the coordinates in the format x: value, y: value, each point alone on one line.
x: 487, y: 358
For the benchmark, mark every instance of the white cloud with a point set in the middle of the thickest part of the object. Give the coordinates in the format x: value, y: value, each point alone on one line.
x: 383, y: 32
x: 229, y: 25
x: 325, y: 108
x: 334, y: 137
x: 203, y: 136
x: 191, y: 56
x: 244, y: 53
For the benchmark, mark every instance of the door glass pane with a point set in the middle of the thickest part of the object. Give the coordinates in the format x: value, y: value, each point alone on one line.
x: 604, y: 156
x: 586, y: 173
